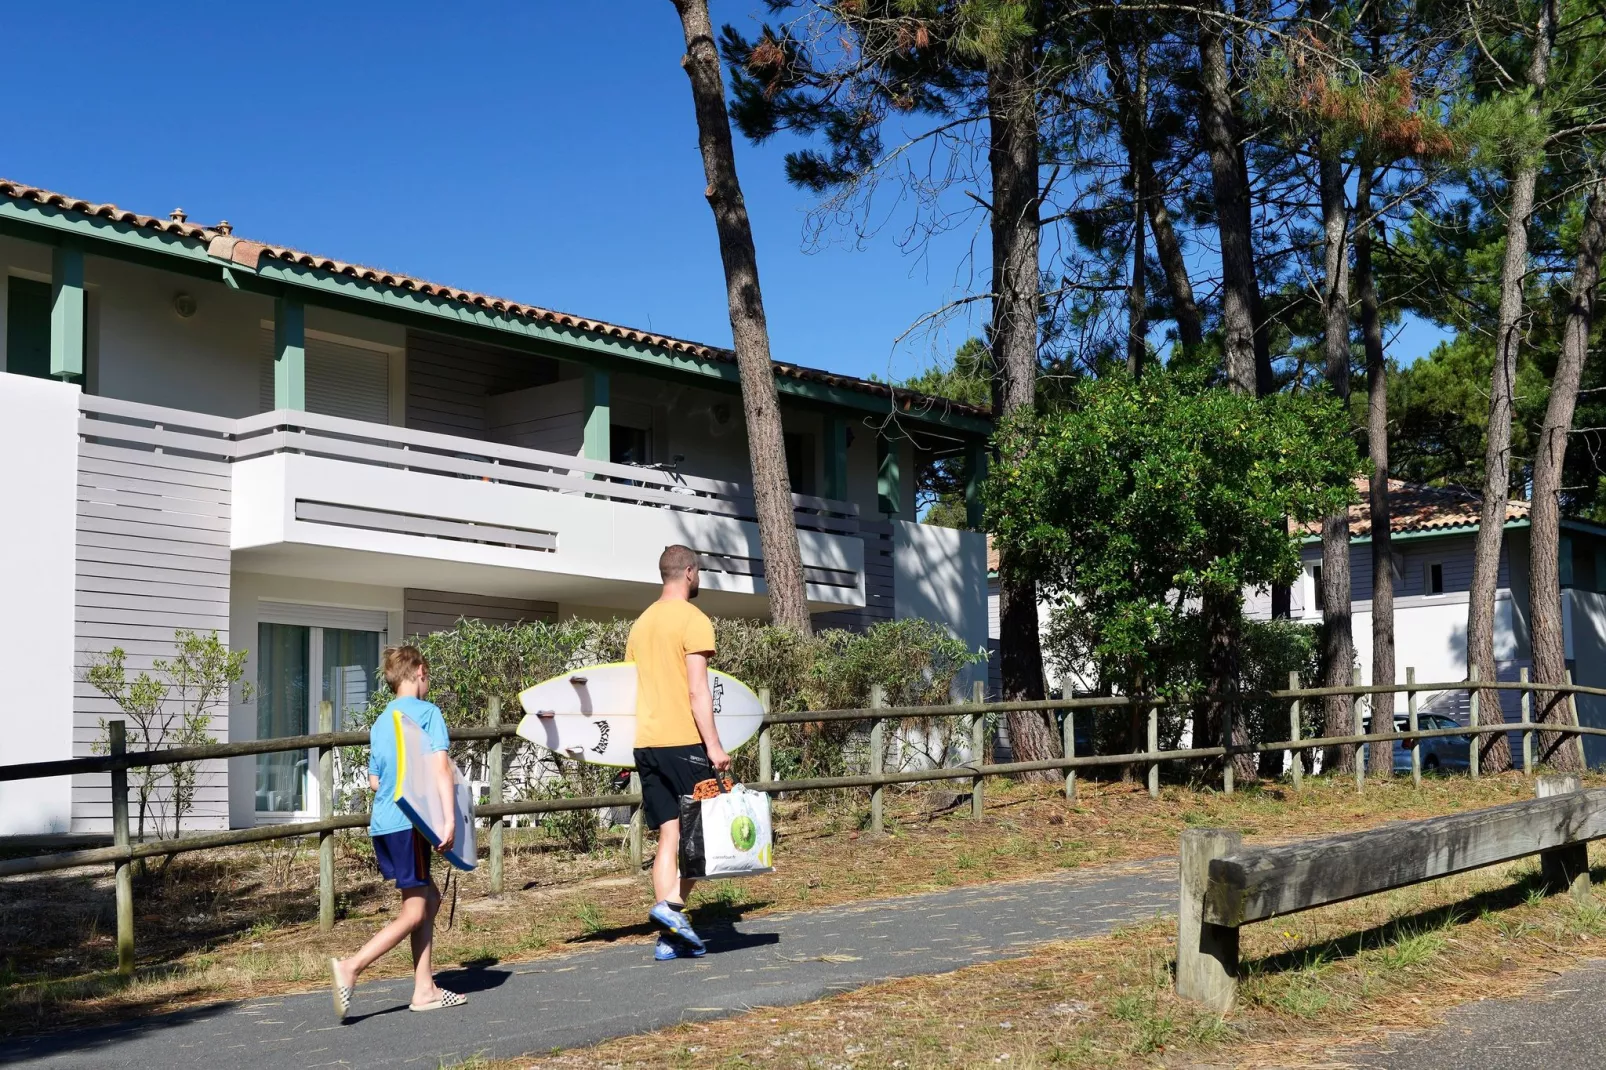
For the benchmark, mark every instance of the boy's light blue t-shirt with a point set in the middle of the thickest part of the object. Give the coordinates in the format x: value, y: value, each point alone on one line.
x: 387, y: 816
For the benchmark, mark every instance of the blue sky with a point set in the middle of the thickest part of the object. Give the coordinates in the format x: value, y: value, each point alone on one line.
x: 542, y: 151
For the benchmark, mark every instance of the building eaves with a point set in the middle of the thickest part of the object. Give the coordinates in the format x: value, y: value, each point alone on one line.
x: 223, y: 244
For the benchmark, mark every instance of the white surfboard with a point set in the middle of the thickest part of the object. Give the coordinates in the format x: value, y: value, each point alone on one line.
x: 590, y: 713
x: 418, y: 797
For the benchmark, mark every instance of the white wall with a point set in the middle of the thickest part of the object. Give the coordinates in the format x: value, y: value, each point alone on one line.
x: 940, y: 574
x: 38, y: 483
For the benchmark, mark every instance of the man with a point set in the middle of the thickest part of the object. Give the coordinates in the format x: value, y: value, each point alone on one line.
x: 676, y: 742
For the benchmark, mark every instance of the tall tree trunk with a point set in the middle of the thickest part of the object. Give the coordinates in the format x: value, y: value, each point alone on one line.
x: 1549, y: 650
x: 1190, y: 328
x: 1131, y: 106
x: 1016, y: 220
x: 1137, y: 301
x: 772, y: 491
x: 1338, y: 639
x: 1245, y: 342
x: 1380, y: 760
x: 1218, y: 130
x: 1496, y: 753
x: 1239, y: 305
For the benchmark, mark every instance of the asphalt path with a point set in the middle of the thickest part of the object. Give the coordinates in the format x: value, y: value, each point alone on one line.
x: 519, y: 1008
x: 1561, y: 1026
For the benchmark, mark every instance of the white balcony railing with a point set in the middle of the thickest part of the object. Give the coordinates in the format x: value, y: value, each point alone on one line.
x: 178, y: 433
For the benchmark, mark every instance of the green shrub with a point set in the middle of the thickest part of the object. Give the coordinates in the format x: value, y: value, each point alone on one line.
x: 914, y: 660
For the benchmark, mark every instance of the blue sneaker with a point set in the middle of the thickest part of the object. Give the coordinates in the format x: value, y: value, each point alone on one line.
x: 671, y: 948
x: 677, y: 923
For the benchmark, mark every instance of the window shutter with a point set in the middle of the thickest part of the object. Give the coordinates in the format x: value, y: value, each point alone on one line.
x: 342, y: 380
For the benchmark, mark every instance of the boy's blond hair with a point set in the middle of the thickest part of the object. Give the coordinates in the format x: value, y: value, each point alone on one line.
x: 402, y: 663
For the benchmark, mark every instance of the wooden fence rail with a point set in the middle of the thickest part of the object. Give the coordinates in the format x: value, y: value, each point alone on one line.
x: 1224, y: 886
x: 119, y: 760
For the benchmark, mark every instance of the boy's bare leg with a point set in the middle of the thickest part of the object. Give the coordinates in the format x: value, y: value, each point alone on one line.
x: 414, y: 911
x: 424, y: 990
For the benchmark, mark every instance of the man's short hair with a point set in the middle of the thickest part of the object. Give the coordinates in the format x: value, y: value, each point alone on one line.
x: 675, y: 560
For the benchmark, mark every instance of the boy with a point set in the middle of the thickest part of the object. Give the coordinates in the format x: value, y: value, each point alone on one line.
x: 676, y: 742
x: 400, y: 849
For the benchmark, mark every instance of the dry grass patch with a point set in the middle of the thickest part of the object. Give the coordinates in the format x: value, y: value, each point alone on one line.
x: 1316, y: 982
x: 243, y: 922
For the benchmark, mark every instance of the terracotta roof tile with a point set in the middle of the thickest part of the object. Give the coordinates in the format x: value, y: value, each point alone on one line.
x: 222, y: 243
x: 1414, y: 507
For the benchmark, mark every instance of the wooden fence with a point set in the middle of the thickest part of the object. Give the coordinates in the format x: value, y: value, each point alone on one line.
x: 123, y: 851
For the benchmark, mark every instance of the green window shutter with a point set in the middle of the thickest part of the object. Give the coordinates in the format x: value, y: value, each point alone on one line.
x: 28, y: 328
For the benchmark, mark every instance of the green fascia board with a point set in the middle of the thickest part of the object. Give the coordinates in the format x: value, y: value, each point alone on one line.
x: 105, y: 237
x: 1435, y: 533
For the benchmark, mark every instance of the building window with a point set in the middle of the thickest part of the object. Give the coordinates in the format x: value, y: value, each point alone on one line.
x: 629, y: 445
x: 1433, y: 579
x: 28, y: 328
x: 1319, y: 599
x: 800, y: 461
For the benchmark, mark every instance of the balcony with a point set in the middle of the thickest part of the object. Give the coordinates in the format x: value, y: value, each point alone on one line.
x: 327, y: 498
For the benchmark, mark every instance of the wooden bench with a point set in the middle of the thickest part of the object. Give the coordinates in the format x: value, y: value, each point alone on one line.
x: 1225, y: 885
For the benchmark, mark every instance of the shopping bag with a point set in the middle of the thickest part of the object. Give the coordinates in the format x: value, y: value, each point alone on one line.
x: 725, y: 833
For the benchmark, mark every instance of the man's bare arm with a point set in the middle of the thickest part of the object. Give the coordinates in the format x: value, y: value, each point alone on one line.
x: 702, y: 709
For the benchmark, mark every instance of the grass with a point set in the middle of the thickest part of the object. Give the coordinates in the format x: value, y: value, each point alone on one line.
x: 1315, y: 982
x: 241, y: 923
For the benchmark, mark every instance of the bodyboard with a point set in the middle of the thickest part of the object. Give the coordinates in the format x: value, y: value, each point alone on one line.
x: 590, y: 713
x: 416, y: 795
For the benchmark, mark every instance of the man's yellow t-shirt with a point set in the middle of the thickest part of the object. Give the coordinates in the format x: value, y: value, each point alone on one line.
x: 659, y: 642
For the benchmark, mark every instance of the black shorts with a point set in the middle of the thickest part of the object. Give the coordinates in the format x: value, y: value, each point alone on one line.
x: 667, y: 773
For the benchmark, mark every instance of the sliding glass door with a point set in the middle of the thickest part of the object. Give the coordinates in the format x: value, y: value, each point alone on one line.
x: 345, y: 662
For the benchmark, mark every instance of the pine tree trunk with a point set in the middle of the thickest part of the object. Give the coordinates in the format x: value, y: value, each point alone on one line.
x: 1016, y: 220
x: 1338, y: 639
x: 1218, y: 130
x: 1132, y: 109
x: 1496, y: 753
x: 772, y: 491
x: 1549, y: 650
x: 1239, y: 304
x: 1380, y: 760
x: 1167, y: 247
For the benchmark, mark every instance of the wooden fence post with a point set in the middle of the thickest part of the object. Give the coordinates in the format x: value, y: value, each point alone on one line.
x: 493, y: 758
x: 766, y: 760
x: 878, y: 699
x: 1296, y: 758
x: 1527, y: 719
x: 1564, y: 868
x: 637, y: 821
x: 978, y: 748
x: 326, y: 810
x: 1572, y: 708
x: 118, y: 739
x: 1207, y: 955
x: 1412, y: 724
x: 1472, y: 722
x: 1068, y: 737
x: 1154, y: 748
x: 1360, y: 730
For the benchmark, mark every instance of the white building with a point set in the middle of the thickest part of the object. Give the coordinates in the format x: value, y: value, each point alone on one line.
x: 1432, y: 547
x: 313, y: 459
x: 1433, y: 532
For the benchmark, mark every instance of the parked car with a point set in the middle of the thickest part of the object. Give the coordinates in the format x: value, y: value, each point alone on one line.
x: 1439, y: 753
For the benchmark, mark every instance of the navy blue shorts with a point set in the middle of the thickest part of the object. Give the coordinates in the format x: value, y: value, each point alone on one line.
x: 403, y: 857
